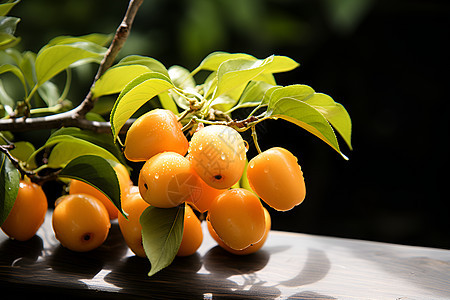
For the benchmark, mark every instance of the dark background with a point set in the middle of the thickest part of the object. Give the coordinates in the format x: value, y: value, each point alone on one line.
x: 385, y: 61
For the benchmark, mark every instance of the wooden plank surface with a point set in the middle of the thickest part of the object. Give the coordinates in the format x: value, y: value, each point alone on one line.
x: 289, y: 266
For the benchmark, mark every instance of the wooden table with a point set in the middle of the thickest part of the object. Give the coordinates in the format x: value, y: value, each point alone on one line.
x: 289, y: 266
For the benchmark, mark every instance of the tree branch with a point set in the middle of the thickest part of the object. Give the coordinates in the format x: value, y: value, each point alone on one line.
x: 117, y: 43
x: 76, y: 116
x: 66, y: 119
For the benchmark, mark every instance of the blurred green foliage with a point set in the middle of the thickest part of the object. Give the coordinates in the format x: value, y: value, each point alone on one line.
x: 184, y: 32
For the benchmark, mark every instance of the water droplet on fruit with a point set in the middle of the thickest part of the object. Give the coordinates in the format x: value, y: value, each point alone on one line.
x: 266, y: 170
x: 246, y: 145
x: 200, y: 147
x: 156, y: 176
x: 223, y: 156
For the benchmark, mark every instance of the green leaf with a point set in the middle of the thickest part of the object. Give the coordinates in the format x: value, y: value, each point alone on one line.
x: 236, y: 92
x: 104, y: 105
x: 16, y: 71
x: 14, y: 56
x: 182, y: 79
x: 54, y: 59
x: 9, y: 186
x: 210, y: 85
x: 162, y: 231
x: 116, y: 78
x: 237, y: 72
x: 96, y: 38
x: 335, y: 113
x: 253, y: 94
x: 8, y: 40
x: 27, y: 65
x: 167, y: 102
x: 297, y: 91
x: 69, y: 143
x: 280, y: 64
x: 6, y: 136
x: 6, y: 7
x: 96, y: 171
x: 6, y: 100
x: 267, y: 78
x: 92, y: 116
x: 306, y: 116
x: 49, y: 93
x: 215, y: 59
x: 22, y: 151
x: 223, y: 103
x: 103, y: 140
x: 151, y: 63
x: 136, y: 94
x: 67, y: 148
x: 8, y: 24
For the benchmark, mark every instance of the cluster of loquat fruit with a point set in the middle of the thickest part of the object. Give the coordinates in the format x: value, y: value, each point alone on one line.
x: 201, y: 173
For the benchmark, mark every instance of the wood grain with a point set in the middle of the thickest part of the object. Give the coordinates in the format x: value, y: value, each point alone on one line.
x: 289, y: 266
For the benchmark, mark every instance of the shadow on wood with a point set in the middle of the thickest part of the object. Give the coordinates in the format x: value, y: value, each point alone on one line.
x: 289, y: 266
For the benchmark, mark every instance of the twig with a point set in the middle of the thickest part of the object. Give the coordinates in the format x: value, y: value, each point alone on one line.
x: 76, y: 116
x: 33, y: 176
x: 117, y: 43
x: 239, y: 125
x: 245, y: 124
x: 5, y: 149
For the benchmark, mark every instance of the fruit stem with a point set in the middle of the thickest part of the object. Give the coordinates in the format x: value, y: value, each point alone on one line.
x: 184, y: 114
x: 28, y: 100
x: 196, y: 119
x: 255, y: 139
x: 188, y: 125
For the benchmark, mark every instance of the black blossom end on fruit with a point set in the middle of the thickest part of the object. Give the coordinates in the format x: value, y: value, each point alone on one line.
x: 87, y: 237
